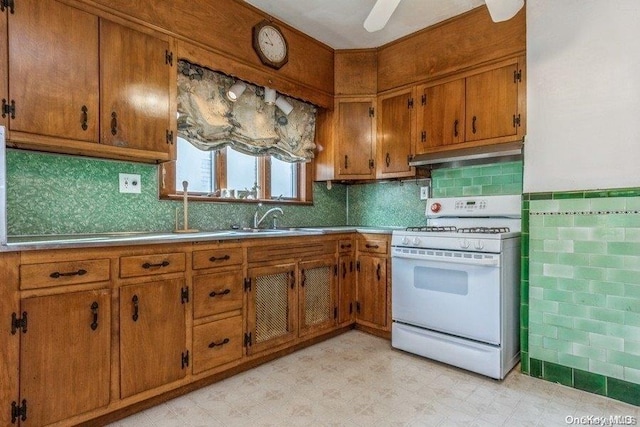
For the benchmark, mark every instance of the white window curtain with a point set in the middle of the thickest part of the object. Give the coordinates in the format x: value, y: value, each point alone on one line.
x: 209, y: 121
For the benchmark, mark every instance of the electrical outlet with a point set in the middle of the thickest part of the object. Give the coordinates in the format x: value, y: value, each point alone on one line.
x: 129, y: 183
x: 424, y: 193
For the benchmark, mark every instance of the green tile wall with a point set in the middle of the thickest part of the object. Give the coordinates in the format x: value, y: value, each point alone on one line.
x: 480, y: 180
x: 387, y: 204
x: 57, y: 194
x: 581, y: 290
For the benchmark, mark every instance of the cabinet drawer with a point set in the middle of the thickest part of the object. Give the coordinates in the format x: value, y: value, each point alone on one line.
x: 372, y: 245
x: 217, y: 293
x: 63, y: 273
x: 217, y: 343
x: 145, y: 265
x: 346, y: 245
x: 217, y: 258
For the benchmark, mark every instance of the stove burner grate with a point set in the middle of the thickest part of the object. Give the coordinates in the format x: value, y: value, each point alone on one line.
x: 429, y: 229
x: 484, y: 230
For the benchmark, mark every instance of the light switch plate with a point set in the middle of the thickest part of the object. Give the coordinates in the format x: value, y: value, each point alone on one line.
x: 424, y: 193
x: 130, y: 183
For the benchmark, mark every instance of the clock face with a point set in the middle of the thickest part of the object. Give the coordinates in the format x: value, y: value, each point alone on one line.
x: 272, y: 44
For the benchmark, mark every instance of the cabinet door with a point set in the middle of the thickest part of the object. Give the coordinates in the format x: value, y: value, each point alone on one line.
x: 65, y: 355
x: 396, y: 128
x: 271, y: 309
x: 4, y: 79
x: 443, y: 116
x: 492, y: 103
x: 316, y: 296
x: 135, y: 78
x: 53, y: 70
x: 356, y: 137
x: 346, y: 280
x: 372, y: 290
x: 152, y: 335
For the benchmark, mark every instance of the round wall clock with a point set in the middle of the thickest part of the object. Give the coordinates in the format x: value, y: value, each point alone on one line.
x: 270, y: 44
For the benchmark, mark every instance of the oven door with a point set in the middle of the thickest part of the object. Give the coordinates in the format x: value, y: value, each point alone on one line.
x: 453, y: 292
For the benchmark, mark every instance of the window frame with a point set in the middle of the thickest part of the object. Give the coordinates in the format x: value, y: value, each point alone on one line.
x: 168, y: 190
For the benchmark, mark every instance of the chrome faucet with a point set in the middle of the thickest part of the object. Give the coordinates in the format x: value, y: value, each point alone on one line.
x: 257, y: 222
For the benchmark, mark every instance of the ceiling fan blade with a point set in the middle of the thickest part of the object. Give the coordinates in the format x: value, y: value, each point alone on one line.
x: 380, y: 14
x: 502, y: 10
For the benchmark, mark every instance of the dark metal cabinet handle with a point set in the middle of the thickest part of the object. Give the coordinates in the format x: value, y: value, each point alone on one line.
x: 219, y: 344
x: 346, y: 162
x: 147, y: 265
x: 57, y: 274
x: 85, y: 117
x: 303, y: 278
x: 348, y: 246
x: 292, y: 279
x: 455, y: 128
x: 473, y: 124
x: 370, y: 246
x: 344, y: 270
x: 387, y: 160
x: 222, y: 258
x: 114, y: 123
x: 135, y: 300
x: 94, y: 311
x: 221, y: 293
x: 378, y: 272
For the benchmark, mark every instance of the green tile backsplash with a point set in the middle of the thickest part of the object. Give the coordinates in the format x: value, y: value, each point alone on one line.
x: 57, y: 194
x: 583, y: 284
x: 479, y: 180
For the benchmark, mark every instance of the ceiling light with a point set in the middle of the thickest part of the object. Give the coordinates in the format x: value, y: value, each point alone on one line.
x: 269, y: 96
x: 283, y: 105
x: 236, y: 90
x: 502, y: 10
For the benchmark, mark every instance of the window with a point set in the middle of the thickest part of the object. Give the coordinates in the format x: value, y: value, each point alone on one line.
x: 230, y: 174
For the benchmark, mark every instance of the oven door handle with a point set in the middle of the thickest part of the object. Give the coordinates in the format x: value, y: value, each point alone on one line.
x: 486, y: 262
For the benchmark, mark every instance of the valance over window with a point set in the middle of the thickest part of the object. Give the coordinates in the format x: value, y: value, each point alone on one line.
x: 210, y: 121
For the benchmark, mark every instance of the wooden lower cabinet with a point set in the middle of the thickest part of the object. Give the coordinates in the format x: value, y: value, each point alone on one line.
x: 316, y: 295
x: 217, y: 343
x: 346, y: 288
x: 65, y: 362
x: 371, y: 292
x: 152, y: 335
x: 271, y: 303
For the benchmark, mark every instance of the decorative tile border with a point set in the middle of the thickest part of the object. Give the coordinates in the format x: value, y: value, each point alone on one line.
x: 587, y: 381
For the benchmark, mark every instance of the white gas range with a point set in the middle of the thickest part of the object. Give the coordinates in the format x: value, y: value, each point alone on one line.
x: 455, y: 292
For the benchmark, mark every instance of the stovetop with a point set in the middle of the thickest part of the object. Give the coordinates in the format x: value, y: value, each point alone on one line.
x: 454, y: 229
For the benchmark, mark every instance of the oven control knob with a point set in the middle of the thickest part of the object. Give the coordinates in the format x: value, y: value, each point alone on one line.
x: 416, y: 241
x: 435, y: 207
x: 405, y: 241
x: 479, y: 245
x: 464, y: 244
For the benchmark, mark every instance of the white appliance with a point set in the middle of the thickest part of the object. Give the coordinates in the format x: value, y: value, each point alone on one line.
x: 456, y: 282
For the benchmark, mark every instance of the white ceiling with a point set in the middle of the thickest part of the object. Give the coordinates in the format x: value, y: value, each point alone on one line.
x: 338, y: 23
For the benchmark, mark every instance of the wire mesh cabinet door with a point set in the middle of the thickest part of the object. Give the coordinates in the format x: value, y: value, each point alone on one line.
x: 271, y: 309
x: 317, y: 295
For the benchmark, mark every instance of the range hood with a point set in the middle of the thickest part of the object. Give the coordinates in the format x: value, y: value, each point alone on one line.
x: 470, y: 156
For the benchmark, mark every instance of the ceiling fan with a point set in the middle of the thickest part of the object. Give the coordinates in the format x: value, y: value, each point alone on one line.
x: 500, y: 10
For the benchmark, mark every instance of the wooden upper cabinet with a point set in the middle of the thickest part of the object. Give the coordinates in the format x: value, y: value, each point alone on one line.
x: 136, y: 72
x: 4, y: 90
x: 355, y: 134
x: 481, y: 107
x: 53, y: 70
x: 492, y: 103
x: 152, y: 335
x: 396, y: 128
x: 442, y: 120
x: 65, y: 367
